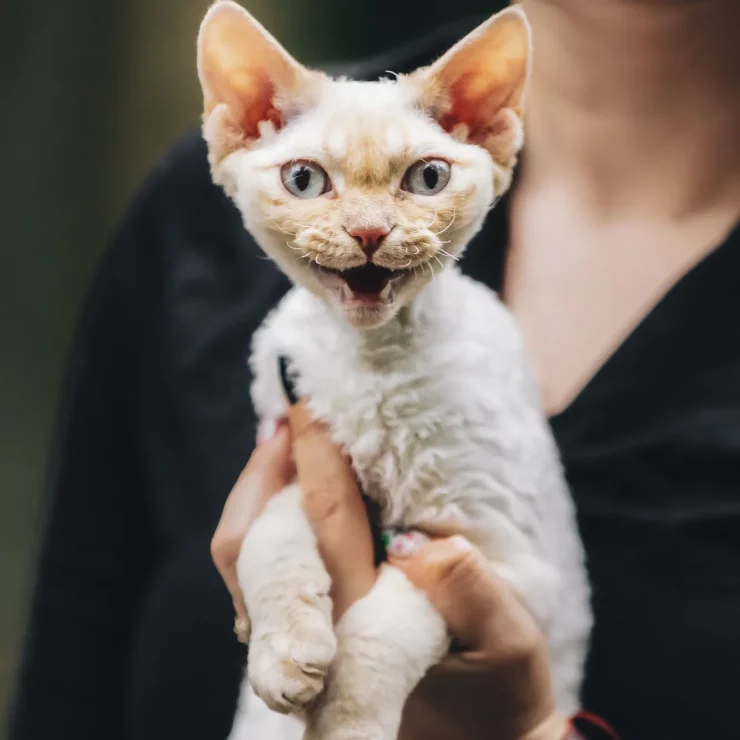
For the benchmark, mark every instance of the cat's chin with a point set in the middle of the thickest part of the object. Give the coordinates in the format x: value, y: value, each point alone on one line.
x: 368, y: 295
x: 369, y: 317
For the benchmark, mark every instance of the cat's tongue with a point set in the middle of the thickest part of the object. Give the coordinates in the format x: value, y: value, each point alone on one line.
x: 366, y: 281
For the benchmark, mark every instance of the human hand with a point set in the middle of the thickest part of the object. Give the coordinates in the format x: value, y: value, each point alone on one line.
x: 499, y: 683
x: 331, y: 500
x: 269, y: 470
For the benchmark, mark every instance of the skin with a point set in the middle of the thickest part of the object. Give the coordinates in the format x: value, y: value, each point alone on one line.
x: 630, y: 172
x: 498, y: 678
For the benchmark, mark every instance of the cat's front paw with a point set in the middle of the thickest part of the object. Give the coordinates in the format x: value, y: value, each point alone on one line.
x: 287, y: 668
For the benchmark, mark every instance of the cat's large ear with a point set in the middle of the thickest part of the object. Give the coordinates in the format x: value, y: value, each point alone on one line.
x: 476, y: 90
x: 251, y: 85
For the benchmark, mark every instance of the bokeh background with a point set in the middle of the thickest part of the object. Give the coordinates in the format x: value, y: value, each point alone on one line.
x: 93, y: 93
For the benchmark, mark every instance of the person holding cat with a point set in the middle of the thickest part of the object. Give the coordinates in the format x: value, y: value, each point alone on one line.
x: 502, y: 679
x: 617, y: 249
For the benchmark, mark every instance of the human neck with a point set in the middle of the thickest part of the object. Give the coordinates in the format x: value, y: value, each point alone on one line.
x: 635, y: 104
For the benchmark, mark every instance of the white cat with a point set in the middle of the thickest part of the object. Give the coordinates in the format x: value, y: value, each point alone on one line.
x: 364, y: 194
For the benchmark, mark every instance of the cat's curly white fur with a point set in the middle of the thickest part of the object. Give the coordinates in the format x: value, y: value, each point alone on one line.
x: 422, y: 379
x: 444, y: 427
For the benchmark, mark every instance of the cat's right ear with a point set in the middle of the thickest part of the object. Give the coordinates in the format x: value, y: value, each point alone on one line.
x: 251, y: 85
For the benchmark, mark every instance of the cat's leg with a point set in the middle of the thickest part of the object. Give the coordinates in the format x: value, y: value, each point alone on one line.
x: 386, y: 642
x: 256, y: 721
x: 286, y: 591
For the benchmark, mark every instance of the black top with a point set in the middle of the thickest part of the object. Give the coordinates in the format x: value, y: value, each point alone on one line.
x: 131, y: 628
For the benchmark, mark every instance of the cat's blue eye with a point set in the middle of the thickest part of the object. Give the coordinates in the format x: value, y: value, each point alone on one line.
x: 427, y: 177
x: 305, y: 179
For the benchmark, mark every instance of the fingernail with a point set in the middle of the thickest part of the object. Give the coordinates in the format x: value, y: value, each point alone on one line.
x: 403, y: 544
x: 288, y: 385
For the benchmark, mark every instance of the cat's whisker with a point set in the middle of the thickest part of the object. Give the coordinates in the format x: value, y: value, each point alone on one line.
x: 279, y: 228
x: 440, y: 261
x: 447, y: 254
x: 417, y: 250
x: 454, y: 216
x: 293, y: 247
x: 433, y: 220
x: 403, y: 267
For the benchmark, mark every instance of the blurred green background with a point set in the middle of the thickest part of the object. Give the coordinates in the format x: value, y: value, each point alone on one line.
x: 93, y: 93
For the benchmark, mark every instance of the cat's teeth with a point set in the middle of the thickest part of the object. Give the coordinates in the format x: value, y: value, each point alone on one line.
x: 386, y: 292
x: 346, y: 291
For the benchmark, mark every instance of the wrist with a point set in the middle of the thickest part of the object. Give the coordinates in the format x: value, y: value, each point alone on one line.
x: 553, y: 727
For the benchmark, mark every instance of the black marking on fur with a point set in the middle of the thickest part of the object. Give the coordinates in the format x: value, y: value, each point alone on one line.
x: 288, y: 385
x: 373, y: 516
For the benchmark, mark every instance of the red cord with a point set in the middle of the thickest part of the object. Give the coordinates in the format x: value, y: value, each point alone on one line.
x: 594, y: 721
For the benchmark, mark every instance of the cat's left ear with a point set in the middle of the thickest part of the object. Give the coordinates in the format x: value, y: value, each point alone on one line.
x: 251, y: 85
x: 476, y: 90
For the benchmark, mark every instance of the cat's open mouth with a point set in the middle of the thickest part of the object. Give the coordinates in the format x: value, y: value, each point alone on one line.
x: 369, y: 283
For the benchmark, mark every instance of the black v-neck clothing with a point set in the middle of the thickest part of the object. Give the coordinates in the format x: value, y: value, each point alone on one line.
x: 651, y: 447
x: 130, y: 631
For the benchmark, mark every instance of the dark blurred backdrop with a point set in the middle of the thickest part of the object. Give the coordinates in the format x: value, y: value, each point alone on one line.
x: 93, y: 92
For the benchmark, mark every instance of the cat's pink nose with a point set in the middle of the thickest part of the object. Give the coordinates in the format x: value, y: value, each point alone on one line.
x: 369, y: 238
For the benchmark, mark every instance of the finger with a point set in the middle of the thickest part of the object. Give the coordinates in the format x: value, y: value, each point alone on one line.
x: 480, y: 608
x: 335, y: 509
x: 269, y: 470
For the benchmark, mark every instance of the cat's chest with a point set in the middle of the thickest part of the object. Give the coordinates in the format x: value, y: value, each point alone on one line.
x: 384, y: 418
x: 416, y: 409
x: 415, y: 421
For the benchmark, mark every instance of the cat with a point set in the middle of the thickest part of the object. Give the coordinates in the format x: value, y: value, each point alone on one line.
x: 365, y: 194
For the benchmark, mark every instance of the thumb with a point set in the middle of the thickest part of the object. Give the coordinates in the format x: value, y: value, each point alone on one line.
x: 476, y: 604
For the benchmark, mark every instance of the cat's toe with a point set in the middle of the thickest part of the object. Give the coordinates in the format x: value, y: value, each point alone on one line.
x: 287, y: 669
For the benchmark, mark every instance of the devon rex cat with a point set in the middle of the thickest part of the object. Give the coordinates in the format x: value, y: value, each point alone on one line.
x: 365, y: 193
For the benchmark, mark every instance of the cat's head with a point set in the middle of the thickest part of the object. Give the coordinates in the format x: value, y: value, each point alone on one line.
x: 362, y: 190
